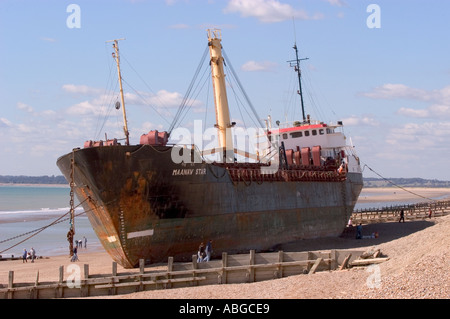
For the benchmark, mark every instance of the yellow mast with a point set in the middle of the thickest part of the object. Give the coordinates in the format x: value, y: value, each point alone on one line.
x: 116, y: 57
x: 223, y: 124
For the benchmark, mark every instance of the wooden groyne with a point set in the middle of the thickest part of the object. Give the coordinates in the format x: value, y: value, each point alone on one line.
x: 419, y: 211
x: 231, y: 269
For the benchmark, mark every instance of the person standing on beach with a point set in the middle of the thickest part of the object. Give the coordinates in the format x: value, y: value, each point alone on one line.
x: 75, y: 256
x: 208, y: 251
x: 85, y: 242
x: 24, y: 256
x: 402, y: 216
x: 200, y: 253
x: 33, y: 254
x: 359, y: 231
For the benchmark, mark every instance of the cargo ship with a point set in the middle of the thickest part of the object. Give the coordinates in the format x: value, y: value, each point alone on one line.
x: 155, y: 199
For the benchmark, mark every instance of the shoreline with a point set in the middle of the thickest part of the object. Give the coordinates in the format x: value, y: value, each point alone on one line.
x: 34, y: 185
x: 395, y: 194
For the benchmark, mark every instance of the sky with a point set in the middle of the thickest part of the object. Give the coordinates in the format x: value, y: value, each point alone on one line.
x: 381, y: 67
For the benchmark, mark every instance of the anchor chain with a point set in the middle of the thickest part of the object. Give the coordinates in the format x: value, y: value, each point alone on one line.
x: 71, y: 232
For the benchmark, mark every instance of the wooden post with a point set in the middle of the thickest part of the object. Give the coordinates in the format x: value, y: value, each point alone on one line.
x: 114, y: 268
x: 141, y: 272
x: 86, y: 271
x: 333, y: 259
x: 141, y: 266
x: 169, y: 269
x: 345, y: 262
x: 310, y: 257
x: 314, y: 267
x: 252, y: 270
x: 280, y: 260
x: 84, y: 289
x: 194, y: 266
x: 113, y: 289
x: 60, y: 293
x: 11, y: 284
x: 34, y: 292
x: 224, y: 266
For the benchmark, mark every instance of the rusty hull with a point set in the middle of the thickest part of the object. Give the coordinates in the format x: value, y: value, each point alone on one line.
x: 143, y: 206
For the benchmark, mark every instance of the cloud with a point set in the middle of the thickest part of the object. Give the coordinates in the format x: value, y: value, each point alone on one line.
x: 86, y: 108
x: 252, y: 66
x: 101, y: 104
x: 439, y: 99
x: 396, y: 91
x: 25, y: 107
x: 401, y: 91
x: 162, y: 99
x: 268, y: 11
x: 337, y: 3
x: 365, y: 120
x: 5, y: 122
x: 81, y: 89
x: 420, y: 136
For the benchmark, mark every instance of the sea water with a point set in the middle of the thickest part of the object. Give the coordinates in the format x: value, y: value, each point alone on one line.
x: 25, y: 213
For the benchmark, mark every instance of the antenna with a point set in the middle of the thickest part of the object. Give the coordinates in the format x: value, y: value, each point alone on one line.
x: 295, y: 31
x: 296, y: 64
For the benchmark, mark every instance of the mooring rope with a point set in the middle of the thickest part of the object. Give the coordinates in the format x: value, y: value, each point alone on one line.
x: 391, y: 182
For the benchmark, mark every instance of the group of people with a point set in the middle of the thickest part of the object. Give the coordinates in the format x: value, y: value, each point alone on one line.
x: 204, y: 253
x: 28, y: 255
x: 79, y: 242
x: 358, y: 228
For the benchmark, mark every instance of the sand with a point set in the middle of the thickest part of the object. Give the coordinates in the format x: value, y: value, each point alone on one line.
x: 391, y: 194
x: 419, y: 253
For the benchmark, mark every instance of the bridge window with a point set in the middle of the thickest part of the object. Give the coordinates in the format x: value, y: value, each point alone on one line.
x: 296, y: 134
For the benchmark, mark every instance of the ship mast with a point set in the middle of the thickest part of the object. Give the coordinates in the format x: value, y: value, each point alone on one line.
x: 223, y: 122
x: 117, y: 58
x: 296, y: 64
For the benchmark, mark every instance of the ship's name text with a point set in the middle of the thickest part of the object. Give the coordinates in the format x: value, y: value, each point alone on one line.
x: 189, y: 171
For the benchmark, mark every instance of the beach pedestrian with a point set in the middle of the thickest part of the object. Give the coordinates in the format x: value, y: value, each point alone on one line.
x: 75, y: 256
x: 24, y: 256
x: 208, y: 251
x: 402, y: 216
x: 350, y: 222
x: 429, y: 214
x: 200, y: 253
x: 359, y: 231
x: 85, y: 242
x: 33, y: 254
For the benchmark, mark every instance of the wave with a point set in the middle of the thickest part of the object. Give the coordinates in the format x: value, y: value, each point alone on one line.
x: 45, y: 211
